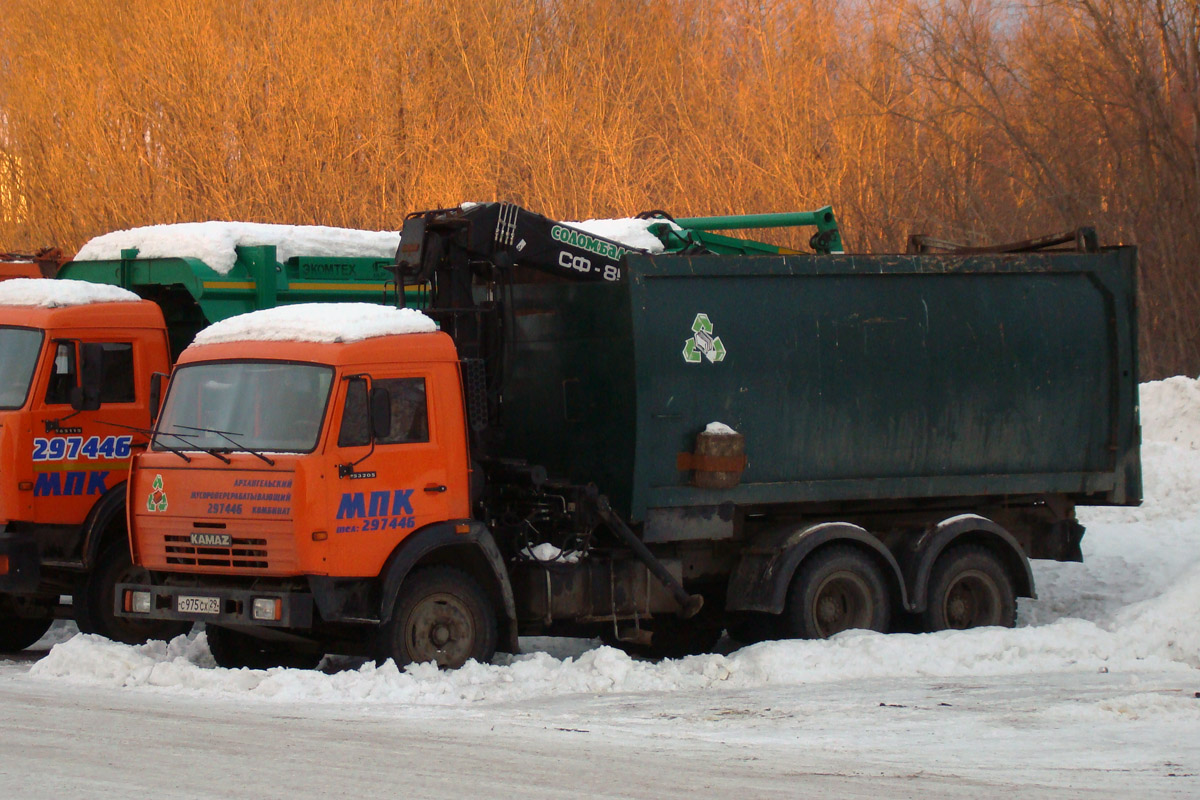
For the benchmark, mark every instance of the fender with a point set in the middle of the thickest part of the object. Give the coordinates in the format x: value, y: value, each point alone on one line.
x: 945, y: 533
x: 416, y: 547
x: 98, y: 520
x: 762, y: 577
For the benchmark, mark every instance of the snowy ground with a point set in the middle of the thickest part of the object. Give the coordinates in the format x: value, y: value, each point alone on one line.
x: 1096, y: 693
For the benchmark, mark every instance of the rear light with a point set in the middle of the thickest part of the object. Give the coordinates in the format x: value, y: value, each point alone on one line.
x: 3, y: 565
x: 267, y: 608
x: 137, y: 602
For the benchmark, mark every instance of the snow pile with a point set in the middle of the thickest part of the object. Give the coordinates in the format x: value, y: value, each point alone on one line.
x: 547, y: 552
x: 719, y: 428
x: 317, y: 322
x: 629, y: 232
x: 1130, y: 608
x: 214, y: 243
x: 52, y: 293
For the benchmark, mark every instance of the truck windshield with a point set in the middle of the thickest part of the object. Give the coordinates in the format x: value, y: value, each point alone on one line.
x: 271, y: 406
x: 19, y: 349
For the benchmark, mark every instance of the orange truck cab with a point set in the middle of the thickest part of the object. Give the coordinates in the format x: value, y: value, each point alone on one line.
x: 75, y: 366
x: 300, y: 486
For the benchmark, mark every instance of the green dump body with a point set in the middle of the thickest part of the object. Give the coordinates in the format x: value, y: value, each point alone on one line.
x: 852, y: 378
x: 192, y: 294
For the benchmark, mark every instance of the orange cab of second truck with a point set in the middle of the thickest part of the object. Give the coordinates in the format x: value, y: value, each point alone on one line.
x: 338, y: 509
x: 62, y: 461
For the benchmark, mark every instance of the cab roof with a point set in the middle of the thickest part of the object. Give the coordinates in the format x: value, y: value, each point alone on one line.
x: 53, y: 293
x: 108, y: 316
x: 397, y: 348
x: 317, y: 323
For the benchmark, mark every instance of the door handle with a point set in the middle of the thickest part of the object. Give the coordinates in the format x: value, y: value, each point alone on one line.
x: 434, y: 488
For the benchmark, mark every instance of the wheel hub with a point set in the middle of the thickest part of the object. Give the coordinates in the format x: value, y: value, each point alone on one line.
x: 841, y: 603
x: 440, y: 629
x: 972, y: 601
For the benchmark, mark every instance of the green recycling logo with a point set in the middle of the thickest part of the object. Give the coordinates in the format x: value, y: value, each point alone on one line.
x: 157, y: 499
x: 703, y: 344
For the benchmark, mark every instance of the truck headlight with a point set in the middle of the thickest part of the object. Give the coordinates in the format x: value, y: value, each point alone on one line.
x: 267, y: 608
x: 138, y: 602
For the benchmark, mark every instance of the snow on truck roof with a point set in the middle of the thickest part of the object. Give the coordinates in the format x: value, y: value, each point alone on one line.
x: 214, y: 243
x: 317, y: 322
x: 55, y: 293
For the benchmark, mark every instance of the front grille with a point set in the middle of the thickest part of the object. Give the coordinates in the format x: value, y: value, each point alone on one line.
x: 243, y: 553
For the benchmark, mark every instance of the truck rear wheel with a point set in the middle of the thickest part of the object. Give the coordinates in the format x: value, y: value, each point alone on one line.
x: 969, y: 587
x: 441, y: 615
x: 836, y: 589
x: 233, y: 649
x: 94, y: 604
x: 18, y: 631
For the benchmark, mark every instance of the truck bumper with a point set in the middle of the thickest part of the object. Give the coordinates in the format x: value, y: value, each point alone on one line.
x: 20, y: 563
x: 220, y: 606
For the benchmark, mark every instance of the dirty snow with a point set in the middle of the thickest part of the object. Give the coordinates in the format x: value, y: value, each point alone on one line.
x: 54, y: 293
x: 1096, y: 693
x: 214, y: 243
x: 317, y: 322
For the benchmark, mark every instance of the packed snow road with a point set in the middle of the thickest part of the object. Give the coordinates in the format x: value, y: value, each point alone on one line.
x: 1094, y: 694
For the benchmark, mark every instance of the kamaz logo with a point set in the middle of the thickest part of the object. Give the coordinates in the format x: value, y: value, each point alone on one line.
x: 212, y: 539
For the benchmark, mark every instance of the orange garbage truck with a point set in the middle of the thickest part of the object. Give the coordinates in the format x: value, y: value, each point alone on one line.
x: 76, y: 358
x: 580, y: 435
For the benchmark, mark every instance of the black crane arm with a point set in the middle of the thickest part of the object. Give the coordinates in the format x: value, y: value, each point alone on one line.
x: 447, y: 248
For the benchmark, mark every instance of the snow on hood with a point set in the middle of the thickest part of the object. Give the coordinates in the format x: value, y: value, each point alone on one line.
x: 214, y: 242
x: 54, y: 293
x: 317, y: 322
x: 1130, y: 606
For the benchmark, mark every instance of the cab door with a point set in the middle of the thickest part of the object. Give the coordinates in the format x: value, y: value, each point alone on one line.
x: 379, y: 497
x: 76, y: 456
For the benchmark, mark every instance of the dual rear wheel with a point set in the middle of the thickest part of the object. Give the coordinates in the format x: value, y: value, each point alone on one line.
x: 841, y: 587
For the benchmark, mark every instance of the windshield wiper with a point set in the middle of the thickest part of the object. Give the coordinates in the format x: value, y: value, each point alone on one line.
x: 153, y: 437
x: 228, y: 436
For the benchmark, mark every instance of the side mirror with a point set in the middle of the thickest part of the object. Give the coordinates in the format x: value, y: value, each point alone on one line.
x: 381, y: 413
x: 86, y: 395
x: 156, y: 387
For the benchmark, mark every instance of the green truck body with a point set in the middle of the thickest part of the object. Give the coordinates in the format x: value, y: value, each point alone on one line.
x: 192, y: 294
x: 851, y: 378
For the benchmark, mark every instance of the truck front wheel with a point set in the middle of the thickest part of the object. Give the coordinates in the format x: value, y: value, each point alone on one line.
x: 836, y: 589
x: 441, y: 615
x: 94, y: 604
x: 969, y: 588
x: 18, y: 630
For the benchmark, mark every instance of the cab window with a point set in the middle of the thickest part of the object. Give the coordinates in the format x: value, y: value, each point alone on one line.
x: 117, y: 374
x: 410, y: 416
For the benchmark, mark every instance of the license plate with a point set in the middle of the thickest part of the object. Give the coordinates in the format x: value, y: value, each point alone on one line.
x: 198, y: 605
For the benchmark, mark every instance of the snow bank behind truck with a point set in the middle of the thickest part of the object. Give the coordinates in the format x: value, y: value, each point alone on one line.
x: 901, y: 433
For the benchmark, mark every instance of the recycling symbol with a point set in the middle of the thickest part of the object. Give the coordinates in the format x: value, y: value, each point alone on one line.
x: 703, y: 344
x: 157, y: 500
